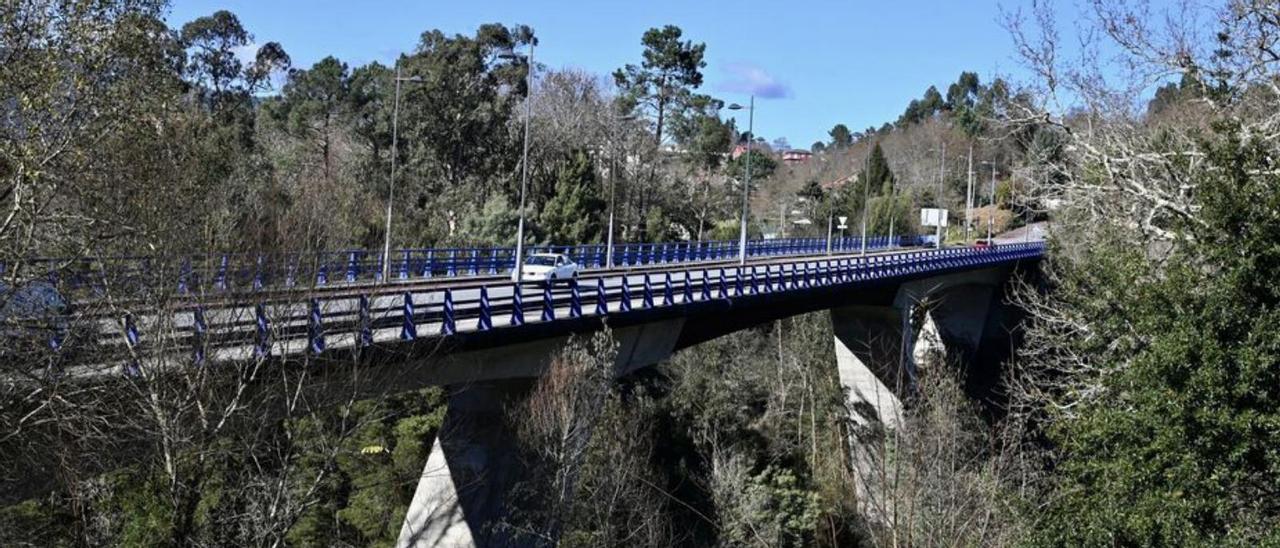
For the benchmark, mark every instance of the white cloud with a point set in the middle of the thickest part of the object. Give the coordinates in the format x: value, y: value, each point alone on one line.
x: 751, y: 79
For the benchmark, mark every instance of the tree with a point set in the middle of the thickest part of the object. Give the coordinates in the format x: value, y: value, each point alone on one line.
x: 818, y: 147
x: 962, y: 102
x: 711, y: 143
x: 932, y: 102
x: 762, y: 167
x: 665, y: 79
x: 454, y: 123
x: 312, y: 105
x: 213, y: 66
x: 812, y: 191
x: 1152, y: 355
x: 877, y: 172
x: 840, y: 136
x: 573, y: 215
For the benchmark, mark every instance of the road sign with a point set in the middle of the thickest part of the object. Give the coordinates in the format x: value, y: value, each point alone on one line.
x: 933, y: 217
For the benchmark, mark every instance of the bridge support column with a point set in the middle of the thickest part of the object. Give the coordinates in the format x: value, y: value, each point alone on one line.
x: 960, y: 315
x: 466, y: 493
x: 874, y: 359
x: 962, y: 325
x: 462, y: 496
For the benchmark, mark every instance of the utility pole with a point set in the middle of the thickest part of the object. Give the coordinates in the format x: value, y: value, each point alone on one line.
x: 524, y: 165
x: 391, y: 179
x: 942, y: 175
x: 613, y: 182
x: 866, y: 195
x: 893, y: 207
x: 991, y: 219
x: 782, y: 218
x: 968, y: 203
x: 613, y: 186
x: 830, y: 217
x: 746, y: 186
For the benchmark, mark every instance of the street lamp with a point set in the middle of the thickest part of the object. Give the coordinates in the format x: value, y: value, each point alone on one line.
x: 391, y: 181
x: 746, y: 187
x: 524, y: 163
x: 613, y: 183
x: 866, y: 197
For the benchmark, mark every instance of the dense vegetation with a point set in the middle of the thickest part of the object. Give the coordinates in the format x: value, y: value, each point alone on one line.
x: 1144, y: 409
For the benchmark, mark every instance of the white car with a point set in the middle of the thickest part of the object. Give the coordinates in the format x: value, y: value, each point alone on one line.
x: 546, y: 267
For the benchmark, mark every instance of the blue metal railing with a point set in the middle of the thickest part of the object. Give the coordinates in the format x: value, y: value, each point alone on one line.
x: 241, y: 271
x: 277, y: 325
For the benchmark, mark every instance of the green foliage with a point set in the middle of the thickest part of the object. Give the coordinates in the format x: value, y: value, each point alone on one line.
x: 312, y: 99
x: 922, y: 109
x: 453, y: 122
x: 763, y: 166
x: 892, y: 212
x: 840, y: 136
x: 1004, y: 192
x: 575, y: 213
x: 665, y: 80
x: 711, y: 143
x: 739, y: 399
x: 213, y: 65
x: 1178, y: 447
x: 780, y: 507
x: 877, y: 173
x: 812, y: 191
x: 495, y: 224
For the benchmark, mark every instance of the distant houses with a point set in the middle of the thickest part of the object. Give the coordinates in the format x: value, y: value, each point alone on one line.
x: 789, y: 157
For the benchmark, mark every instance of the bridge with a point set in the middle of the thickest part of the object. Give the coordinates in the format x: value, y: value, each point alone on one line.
x: 486, y: 339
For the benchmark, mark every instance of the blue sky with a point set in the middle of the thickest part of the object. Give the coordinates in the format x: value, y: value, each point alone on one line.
x: 852, y: 62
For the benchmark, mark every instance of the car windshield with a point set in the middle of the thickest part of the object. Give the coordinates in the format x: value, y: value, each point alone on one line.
x: 541, y: 260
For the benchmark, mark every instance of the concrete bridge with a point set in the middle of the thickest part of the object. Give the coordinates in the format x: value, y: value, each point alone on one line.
x: 486, y: 341
x: 871, y: 301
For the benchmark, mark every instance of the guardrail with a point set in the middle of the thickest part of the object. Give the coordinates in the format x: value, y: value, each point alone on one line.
x: 321, y: 324
x: 241, y: 271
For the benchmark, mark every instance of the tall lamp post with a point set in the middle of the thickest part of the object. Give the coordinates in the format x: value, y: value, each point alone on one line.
x: 613, y: 184
x: 746, y: 186
x: 942, y: 175
x: 391, y: 181
x: 866, y: 196
x: 524, y: 162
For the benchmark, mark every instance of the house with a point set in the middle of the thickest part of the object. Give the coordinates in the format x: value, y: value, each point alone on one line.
x: 796, y: 156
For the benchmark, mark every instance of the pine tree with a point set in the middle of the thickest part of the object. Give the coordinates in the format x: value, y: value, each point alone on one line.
x: 572, y: 215
x: 877, y: 173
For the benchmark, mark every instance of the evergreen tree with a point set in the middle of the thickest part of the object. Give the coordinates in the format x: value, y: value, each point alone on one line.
x: 762, y: 167
x: 665, y: 80
x: 877, y: 172
x: 573, y: 214
x: 840, y: 136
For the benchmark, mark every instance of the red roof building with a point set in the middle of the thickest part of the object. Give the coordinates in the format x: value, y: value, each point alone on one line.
x: 795, y: 156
